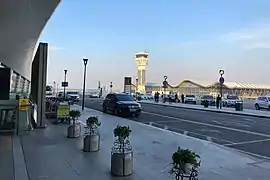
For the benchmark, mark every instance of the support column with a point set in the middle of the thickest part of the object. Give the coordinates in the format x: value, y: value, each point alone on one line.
x: 38, y: 82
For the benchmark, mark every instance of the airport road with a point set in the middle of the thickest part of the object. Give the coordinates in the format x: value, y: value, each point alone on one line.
x: 245, y: 133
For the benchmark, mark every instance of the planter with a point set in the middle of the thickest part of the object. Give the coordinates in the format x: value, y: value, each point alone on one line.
x: 91, y: 143
x: 122, y: 163
x: 187, y: 168
x: 74, y: 131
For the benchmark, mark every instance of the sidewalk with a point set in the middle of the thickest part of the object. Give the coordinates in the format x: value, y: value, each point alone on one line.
x: 49, y: 155
x: 246, y: 112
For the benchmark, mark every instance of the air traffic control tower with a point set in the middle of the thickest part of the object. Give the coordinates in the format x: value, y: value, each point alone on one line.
x: 142, y: 62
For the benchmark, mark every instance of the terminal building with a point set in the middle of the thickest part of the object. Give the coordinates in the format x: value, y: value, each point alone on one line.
x: 243, y: 90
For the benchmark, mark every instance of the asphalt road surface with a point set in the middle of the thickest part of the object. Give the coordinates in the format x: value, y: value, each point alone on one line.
x: 247, y: 134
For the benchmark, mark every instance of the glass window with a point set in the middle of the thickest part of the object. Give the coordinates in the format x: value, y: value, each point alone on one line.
x: 232, y: 97
x: 191, y: 96
x: 124, y: 97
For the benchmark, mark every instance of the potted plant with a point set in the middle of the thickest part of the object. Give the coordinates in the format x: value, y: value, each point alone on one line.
x: 91, y: 141
x: 74, y: 130
x: 122, y: 153
x: 185, y: 163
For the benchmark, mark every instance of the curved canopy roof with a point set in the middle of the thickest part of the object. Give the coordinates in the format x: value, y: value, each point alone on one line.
x: 21, y: 23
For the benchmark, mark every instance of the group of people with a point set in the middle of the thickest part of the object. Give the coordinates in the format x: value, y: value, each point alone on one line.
x: 170, y: 97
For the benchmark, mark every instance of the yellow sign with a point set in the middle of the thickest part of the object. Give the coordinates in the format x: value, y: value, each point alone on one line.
x: 23, y: 104
x: 63, y: 110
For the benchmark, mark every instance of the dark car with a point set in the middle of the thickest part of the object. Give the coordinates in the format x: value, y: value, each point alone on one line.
x: 210, y: 99
x: 121, y: 104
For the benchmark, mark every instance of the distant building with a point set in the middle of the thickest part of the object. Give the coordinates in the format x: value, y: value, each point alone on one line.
x: 243, y: 90
x: 141, y: 59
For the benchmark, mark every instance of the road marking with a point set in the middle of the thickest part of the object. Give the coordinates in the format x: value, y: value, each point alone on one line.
x: 247, y: 142
x: 210, y: 125
x: 250, y: 120
x: 209, y: 139
x: 174, y: 130
x: 210, y: 130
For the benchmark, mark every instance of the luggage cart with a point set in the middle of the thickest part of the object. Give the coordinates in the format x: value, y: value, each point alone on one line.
x: 51, y: 108
x: 63, y: 109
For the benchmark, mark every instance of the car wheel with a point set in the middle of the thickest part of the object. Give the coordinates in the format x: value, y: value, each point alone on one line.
x: 137, y: 115
x: 104, y: 110
x: 257, y: 107
x: 195, y: 103
x: 116, y: 112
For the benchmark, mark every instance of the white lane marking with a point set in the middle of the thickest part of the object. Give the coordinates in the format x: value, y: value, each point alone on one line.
x: 217, y: 122
x: 210, y: 125
x: 194, y: 133
x: 252, y: 154
x: 247, y: 142
x: 250, y: 120
x: 209, y: 139
x: 210, y: 130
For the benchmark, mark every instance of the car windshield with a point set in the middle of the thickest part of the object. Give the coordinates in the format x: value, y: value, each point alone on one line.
x: 208, y: 97
x: 268, y: 98
x: 75, y: 93
x: 232, y: 97
x: 124, y: 97
x: 190, y: 96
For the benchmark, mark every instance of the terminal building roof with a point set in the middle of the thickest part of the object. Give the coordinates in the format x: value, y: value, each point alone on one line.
x: 231, y: 85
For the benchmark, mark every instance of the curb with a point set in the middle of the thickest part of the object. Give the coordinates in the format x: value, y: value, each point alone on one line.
x: 20, y: 170
x: 210, y: 110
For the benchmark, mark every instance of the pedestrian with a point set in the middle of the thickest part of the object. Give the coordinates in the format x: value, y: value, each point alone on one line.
x: 183, y: 98
x: 218, y: 101
x: 158, y: 97
x: 176, y: 98
x: 170, y: 97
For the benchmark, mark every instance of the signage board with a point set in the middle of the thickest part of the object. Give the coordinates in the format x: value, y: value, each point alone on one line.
x: 23, y: 104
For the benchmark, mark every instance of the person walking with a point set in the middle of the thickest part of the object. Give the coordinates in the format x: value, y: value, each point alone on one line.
x: 183, y: 98
x: 218, y: 100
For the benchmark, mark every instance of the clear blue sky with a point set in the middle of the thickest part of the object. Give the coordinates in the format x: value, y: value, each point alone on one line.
x: 186, y: 39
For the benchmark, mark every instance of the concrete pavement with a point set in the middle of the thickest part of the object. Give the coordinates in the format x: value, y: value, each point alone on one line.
x: 50, y: 155
x: 244, y: 133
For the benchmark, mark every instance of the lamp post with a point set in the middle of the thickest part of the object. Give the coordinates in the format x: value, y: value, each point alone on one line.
x: 111, y: 86
x: 221, y: 81
x: 65, y: 80
x: 84, y: 77
x: 54, y: 88
x: 165, y: 84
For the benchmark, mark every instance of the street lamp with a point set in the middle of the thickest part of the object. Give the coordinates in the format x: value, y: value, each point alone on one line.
x: 65, y: 80
x: 165, y: 83
x: 85, y: 63
x: 221, y: 82
x: 111, y: 86
x: 54, y: 88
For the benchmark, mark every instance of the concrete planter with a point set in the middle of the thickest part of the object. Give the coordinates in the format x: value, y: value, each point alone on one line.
x: 91, y: 143
x: 74, y: 131
x: 187, y: 168
x: 122, y: 163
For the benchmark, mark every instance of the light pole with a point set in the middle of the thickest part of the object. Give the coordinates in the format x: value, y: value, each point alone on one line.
x: 85, y: 63
x: 165, y: 84
x: 54, y: 88
x: 221, y: 81
x: 65, y: 71
x: 111, y: 86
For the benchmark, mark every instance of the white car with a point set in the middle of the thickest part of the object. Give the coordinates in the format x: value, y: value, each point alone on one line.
x: 190, y: 99
x: 262, y: 102
x: 230, y: 100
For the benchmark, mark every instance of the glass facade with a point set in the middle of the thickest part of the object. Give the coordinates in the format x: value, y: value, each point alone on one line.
x: 19, y: 86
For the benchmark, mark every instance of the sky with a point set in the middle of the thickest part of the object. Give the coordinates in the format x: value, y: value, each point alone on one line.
x: 185, y: 39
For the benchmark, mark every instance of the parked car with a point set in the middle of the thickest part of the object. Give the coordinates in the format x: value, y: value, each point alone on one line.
x: 262, y: 102
x: 209, y: 98
x: 74, y: 96
x: 230, y: 100
x: 121, y: 104
x: 190, y: 99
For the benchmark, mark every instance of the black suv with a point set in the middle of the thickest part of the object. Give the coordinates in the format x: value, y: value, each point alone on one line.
x: 121, y: 104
